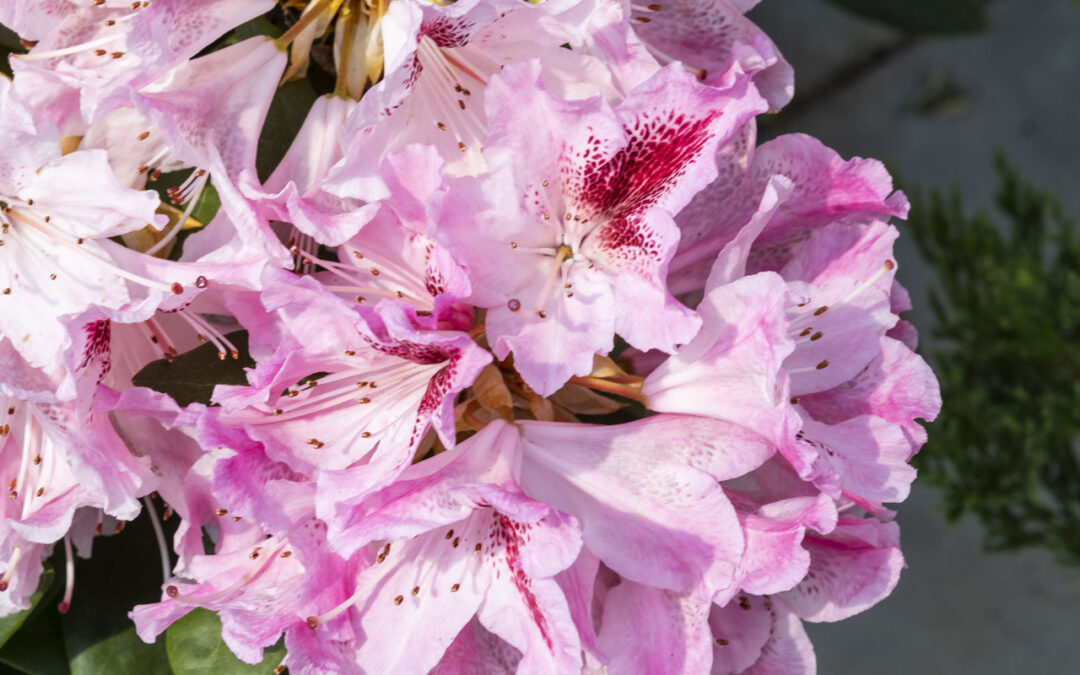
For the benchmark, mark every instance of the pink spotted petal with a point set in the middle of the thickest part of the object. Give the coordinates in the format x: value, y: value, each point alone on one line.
x: 647, y: 630
x: 650, y: 517
x: 851, y: 570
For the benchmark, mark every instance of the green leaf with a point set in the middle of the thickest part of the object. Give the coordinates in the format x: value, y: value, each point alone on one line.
x: 124, y: 571
x: 38, y: 647
x: 922, y: 17
x: 287, y: 113
x: 207, y: 206
x: 191, y: 376
x: 12, y: 623
x: 195, y: 647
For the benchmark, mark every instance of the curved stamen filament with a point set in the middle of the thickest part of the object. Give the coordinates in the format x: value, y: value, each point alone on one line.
x: 799, y: 325
x: 119, y: 271
x: 198, y: 600
x: 159, y: 535
x: 74, y: 49
x: 69, y: 577
x: 562, y: 254
x: 192, y: 196
x: 9, y: 571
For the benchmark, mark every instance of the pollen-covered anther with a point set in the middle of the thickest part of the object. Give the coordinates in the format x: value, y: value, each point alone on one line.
x: 455, y: 588
x: 312, y: 622
x: 399, y: 599
x: 315, y: 443
x: 823, y: 364
x: 821, y: 310
x: 365, y: 434
x: 415, y: 590
x: 221, y: 512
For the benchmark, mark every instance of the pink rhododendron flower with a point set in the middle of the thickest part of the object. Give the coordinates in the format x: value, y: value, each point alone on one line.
x: 385, y: 393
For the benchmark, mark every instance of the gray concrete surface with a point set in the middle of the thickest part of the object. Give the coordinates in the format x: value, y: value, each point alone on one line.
x: 935, y: 111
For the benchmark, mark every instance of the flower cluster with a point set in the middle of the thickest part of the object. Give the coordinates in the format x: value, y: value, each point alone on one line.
x: 555, y: 369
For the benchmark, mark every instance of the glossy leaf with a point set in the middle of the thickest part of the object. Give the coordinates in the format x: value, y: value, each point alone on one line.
x: 194, y: 646
x: 191, y: 376
x: 10, y: 624
x: 287, y: 113
x: 125, y: 570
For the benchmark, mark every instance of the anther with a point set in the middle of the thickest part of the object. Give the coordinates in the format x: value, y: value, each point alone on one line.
x: 312, y: 622
x: 176, y: 288
x: 399, y: 599
x: 363, y: 400
x: 144, y: 135
x: 100, y: 52
x: 454, y: 588
x: 821, y: 310
x: 415, y: 590
x: 823, y: 364
x: 816, y: 336
x: 116, y: 55
x: 365, y: 434
x: 221, y: 512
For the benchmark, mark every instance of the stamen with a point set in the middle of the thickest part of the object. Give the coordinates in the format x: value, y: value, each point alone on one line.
x: 159, y: 534
x: 174, y: 592
x: 69, y: 573
x: 561, y: 255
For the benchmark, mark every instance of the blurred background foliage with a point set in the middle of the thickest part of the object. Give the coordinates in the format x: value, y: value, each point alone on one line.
x: 1007, y: 306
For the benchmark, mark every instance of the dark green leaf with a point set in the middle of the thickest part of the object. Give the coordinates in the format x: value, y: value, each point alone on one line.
x: 124, y: 571
x: 195, y: 647
x: 38, y: 647
x: 287, y: 113
x: 10, y: 624
x: 922, y: 17
x: 191, y: 376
